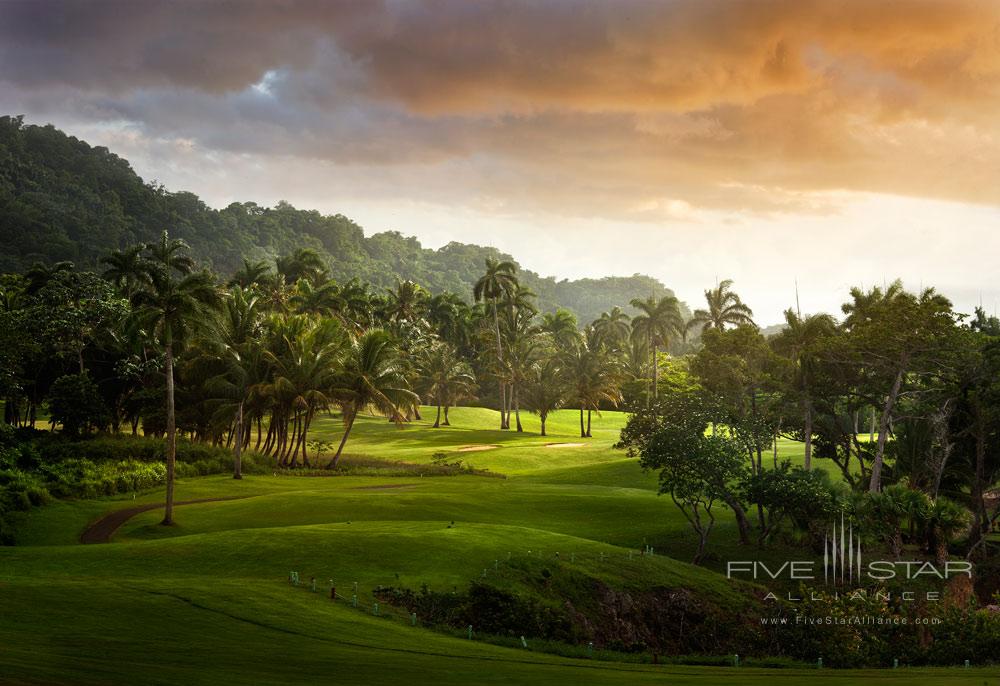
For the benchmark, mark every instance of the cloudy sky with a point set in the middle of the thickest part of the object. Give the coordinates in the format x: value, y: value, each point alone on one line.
x: 832, y: 143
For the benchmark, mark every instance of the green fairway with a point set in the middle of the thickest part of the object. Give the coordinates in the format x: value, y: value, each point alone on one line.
x: 208, y: 601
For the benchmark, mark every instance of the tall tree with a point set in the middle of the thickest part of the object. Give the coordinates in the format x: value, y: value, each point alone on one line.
x: 658, y: 321
x: 800, y: 342
x: 499, y: 281
x: 170, y: 303
x: 372, y: 377
x: 724, y: 308
x: 894, y: 335
x: 445, y: 377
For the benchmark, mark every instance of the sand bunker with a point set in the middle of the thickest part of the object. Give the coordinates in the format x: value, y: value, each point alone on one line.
x: 563, y: 445
x: 476, y: 448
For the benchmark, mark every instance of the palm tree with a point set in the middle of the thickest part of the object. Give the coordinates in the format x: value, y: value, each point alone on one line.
x: 306, y: 377
x: 561, y: 326
x: 323, y: 299
x: 591, y: 378
x: 304, y: 263
x: 372, y: 376
x: 658, y: 322
x: 523, y: 341
x: 797, y: 342
x: 946, y: 520
x: 613, y: 328
x: 256, y: 273
x: 40, y: 274
x: 235, y: 340
x: 125, y: 269
x: 445, y: 376
x: 499, y: 281
x: 544, y: 390
x: 407, y: 301
x: 167, y: 306
x: 724, y: 308
x: 451, y: 318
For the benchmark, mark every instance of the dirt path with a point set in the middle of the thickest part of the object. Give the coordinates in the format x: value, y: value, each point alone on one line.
x: 104, y: 528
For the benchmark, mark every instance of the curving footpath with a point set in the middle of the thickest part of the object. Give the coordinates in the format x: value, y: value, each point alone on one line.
x: 104, y: 528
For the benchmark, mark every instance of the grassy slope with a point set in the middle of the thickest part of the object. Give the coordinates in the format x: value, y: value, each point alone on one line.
x: 206, y: 601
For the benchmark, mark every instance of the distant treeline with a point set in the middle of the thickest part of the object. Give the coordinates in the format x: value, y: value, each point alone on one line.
x: 63, y: 200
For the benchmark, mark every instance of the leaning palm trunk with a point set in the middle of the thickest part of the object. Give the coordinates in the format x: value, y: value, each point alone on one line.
x: 583, y: 433
x: 343, y: 441
x: 437, y: 420
x: 588, y: 423
x: 168, y: 515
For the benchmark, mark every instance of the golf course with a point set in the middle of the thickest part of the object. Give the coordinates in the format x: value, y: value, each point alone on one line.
x: 209, y: 599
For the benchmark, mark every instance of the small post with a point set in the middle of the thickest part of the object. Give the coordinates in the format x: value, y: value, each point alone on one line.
x: 312, y: 584
x: 375, y: 609
x: 736, y: 660
x: 966, y: 664
x: 590, y: 649
x: 355, y: 586
x: 470, y: 632
x: 895, y: 663
x: 354, y: 600
x: 524, y: 644
x: 413, y: 619
x: 819, y: 663
x: 496, y: 564
x: 333, y: 592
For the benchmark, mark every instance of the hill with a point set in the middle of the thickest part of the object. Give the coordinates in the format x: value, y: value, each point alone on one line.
x: 63, y: 199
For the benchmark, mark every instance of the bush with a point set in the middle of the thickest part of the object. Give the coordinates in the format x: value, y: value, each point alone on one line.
x: 75, y: 402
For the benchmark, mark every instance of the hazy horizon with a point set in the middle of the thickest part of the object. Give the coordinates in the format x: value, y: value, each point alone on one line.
x: 836, y: 145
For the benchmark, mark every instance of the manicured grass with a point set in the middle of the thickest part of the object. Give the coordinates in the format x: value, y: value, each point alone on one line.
x: 207, y: 601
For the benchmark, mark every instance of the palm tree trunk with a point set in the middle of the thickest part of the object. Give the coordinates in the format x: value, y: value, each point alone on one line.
x: 503, y: 393
x: 437, y: 420
x: 588, y: 423
x: 655, y: 373
x: 807, y: 431
x: 168, y: 514
x: 238, y: 457
x: 583, y: 434
x: 517, y: 409
x: 446, y: 422
x: 543, y: 416
x: 343, y: 441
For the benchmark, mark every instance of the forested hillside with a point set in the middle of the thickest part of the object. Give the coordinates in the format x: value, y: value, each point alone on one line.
x: 62, y: 199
